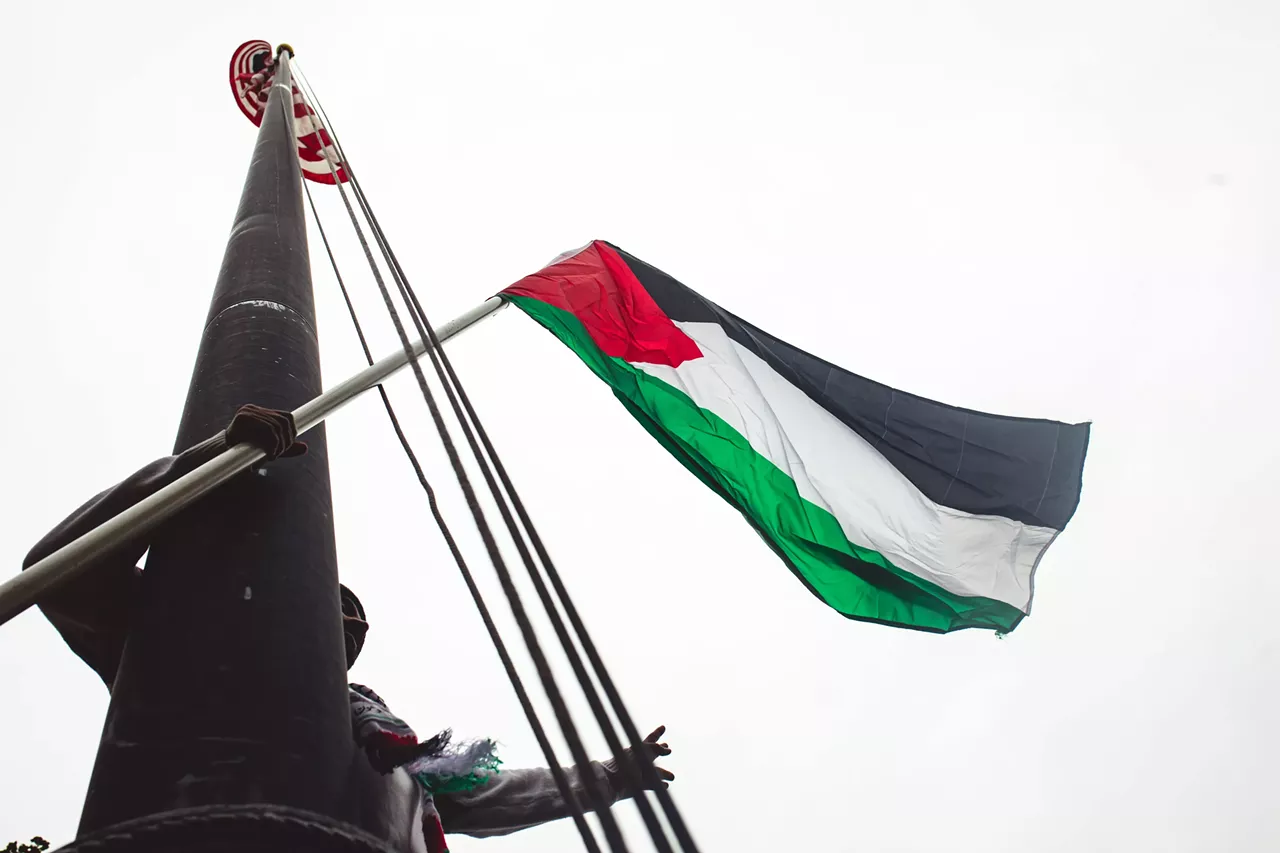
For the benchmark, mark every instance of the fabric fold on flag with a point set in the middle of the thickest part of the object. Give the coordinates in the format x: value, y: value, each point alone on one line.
x: 889, y: 507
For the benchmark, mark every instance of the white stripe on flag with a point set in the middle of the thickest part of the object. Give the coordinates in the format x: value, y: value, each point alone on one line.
x: 835, y: 468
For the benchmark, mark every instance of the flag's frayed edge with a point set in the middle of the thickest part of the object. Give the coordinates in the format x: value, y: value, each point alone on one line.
x: 457, y: 768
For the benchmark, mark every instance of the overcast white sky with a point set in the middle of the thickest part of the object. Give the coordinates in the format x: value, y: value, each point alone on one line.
x: 1055, y: 210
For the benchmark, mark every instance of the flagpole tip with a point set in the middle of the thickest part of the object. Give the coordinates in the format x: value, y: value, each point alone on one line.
x: 283, y: 47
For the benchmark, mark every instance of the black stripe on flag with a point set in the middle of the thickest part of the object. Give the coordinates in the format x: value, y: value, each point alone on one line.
x: 1025, y: 469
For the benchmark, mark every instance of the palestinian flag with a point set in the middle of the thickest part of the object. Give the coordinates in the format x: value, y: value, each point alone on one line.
x: 891, y: 508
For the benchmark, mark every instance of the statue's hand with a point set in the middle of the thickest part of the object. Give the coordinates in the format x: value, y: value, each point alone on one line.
x: 652, y: 749
x: 271, y: 431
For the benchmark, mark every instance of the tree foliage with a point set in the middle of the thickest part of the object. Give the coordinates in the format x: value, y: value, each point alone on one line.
x: 37, y: 845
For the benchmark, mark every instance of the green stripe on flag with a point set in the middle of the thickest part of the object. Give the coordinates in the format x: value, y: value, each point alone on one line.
x: 856, y: 581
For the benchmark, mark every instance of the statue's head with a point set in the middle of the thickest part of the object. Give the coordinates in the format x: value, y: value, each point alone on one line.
x: 354, y: 626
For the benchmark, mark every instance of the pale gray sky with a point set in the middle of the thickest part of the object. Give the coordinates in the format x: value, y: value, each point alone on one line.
x: 1065, y: 211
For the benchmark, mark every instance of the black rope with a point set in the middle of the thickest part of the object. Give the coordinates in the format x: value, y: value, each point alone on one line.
x: 645, y: 775
x: 635, y: 774
x: 600, y: 802
x: 625, y: 764
x: 645, y: 772
x: 517, y: 684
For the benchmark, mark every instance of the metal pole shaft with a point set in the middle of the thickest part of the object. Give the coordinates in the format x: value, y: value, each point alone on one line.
x: 25, y: 589
x: 231, y: 688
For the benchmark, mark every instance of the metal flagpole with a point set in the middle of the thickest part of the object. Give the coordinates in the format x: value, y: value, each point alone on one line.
x: 230, y: 686
x: 25, y: 589
x: 229, y: 726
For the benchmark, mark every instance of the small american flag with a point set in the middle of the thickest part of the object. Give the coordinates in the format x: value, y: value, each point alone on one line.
x: 252, y: 73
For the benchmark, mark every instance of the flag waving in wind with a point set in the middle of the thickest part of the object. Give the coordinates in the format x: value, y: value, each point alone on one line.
x: 252, y: 73
x: 891, y: 508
